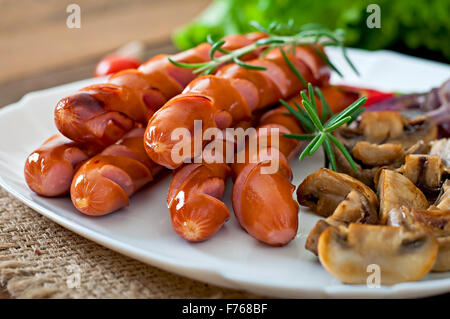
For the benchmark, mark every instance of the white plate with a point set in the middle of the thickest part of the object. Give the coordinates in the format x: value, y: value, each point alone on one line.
x: 231, y: 258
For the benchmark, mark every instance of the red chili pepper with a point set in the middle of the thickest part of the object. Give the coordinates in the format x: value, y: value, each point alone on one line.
x: 373, y: 96
x: 114, y: 63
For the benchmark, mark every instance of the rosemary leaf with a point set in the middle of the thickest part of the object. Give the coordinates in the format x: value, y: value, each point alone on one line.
x: 300, y: 137
x: 216, y: 46
x: 326, y: 110
x: 312, y: 98
x: 336, y: 124
x: 308, y: 147
x: 248, y: 66
x: 292, y: 66
x: 317, y: 144
x: 356, y: 114
x: 327, y: 61
x: 348, y: 111
x: 187, y: 65
x: 329, y: 151
x: 313, y: 115
x: 303, y: 119
x: 343, y: 151
x: 344, y: 53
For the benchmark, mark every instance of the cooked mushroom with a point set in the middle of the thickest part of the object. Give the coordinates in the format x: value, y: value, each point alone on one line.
x: 323, y: 190
x: 401, y: 255
x: 443, y: 200
x: 441, y: 148
x: 371, y: 141
x: 396, y: 190
x: 379, y: 127
x: 425, y: 171
x: 355, y: 208
x: 438, y: 222
x: 387, y: 127
x: 443, y: 259
x: 377, y: 155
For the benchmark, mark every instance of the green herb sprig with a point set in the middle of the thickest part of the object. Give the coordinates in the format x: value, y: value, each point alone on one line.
x: 280, y: 36
x: 319, y: 129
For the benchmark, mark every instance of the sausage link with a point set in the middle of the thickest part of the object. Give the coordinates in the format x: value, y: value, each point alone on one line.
x: 195, y: 194
x: 230, y: 96
x: 49, y: 169
x: 262, y: 193
x: 104, y: 113
x: 105, y: 183
x: 262, y: 200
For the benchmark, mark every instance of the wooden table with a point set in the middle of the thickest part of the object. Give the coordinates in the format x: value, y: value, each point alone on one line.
x: 38, y: 50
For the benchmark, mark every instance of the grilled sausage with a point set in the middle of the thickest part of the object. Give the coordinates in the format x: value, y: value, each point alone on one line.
x: 49, y: 169
x: 104, y: 113
x: 230, y: 96
x: 105, y: 183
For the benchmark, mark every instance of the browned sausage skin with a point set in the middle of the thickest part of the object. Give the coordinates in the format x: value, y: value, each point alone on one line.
x: 103, y: 113
x: 105, y: 183
x: 49, y: 169
x: 230, y: 96
x: 263, y: 202
x: 262, y: 193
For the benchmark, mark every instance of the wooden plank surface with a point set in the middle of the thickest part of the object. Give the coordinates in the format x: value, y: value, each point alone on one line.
x: 38, y: 50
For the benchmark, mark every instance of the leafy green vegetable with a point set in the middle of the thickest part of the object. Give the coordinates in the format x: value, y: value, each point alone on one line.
x: 404, y: 23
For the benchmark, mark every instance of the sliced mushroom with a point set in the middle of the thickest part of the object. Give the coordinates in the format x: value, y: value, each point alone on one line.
x: 355, y: 208
x: 438, y: 222
x: 377, y: 155
x: 396, y: 190
x: 323, y: 190
x: 387, y: 127
x: 401, y: 255
x: 443, y: 259
x: 425, y: 171
x: 443, y: 200
x: 379, y: 127
x: 370, y: 139
x: 441, y: 148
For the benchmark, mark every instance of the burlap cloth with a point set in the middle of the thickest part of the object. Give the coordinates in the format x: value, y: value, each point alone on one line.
x: 40, y: 259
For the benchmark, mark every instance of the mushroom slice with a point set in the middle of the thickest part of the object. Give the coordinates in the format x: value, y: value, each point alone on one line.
x: 443, y: 200
x: 401, y: 255
x: 438, y: 222
x: 443, y: 259
x: 323, y: 190
x: 425, y: 172
x: 377, y: 155
x: 396, y: 190
x: 355, y: 208
x: 382, y: 126
x: 441, y: 148
x: 387, y: 127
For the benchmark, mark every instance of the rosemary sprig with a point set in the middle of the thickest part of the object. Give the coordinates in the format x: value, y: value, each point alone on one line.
x: 319, y: 129
x: 282, y: 36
